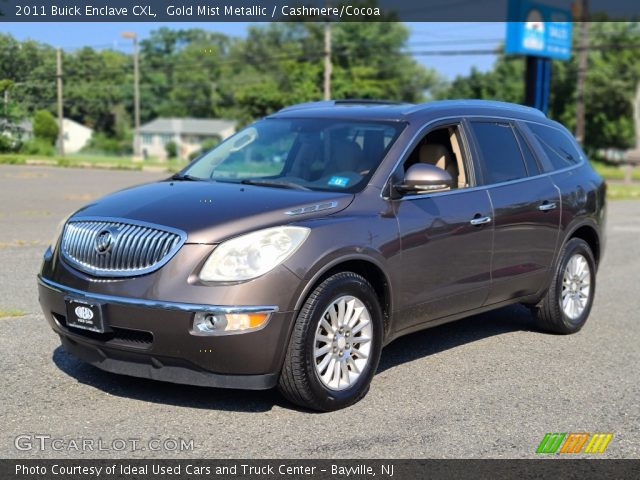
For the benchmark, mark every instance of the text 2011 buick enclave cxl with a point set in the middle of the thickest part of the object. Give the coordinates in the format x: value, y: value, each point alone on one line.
x: 294, y: 251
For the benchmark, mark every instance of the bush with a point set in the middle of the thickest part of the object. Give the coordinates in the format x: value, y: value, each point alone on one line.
x: 45, y: 127
x: 38, y: 146
x: 8, y: 143
x: 194, y: 155
x: 12, y: 160
x: 207, y: 145
x: 102, y: 144
x: 172, y: 149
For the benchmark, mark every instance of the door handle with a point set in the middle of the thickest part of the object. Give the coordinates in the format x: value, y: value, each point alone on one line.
x: 545, y: 207
x: 480, y: 220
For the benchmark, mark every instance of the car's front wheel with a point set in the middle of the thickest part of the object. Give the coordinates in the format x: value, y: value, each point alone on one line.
x: 567, y: 304
x: 335, y: 345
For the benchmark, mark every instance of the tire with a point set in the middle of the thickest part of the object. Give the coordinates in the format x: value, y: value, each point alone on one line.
x: 550, y: 314
x: 301, y: 380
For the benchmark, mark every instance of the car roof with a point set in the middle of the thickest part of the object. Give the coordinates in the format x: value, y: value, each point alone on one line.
x: 394, y: 111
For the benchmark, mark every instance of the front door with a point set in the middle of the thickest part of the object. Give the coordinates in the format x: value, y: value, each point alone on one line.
x: 446, y: 237
x: 446, y: 259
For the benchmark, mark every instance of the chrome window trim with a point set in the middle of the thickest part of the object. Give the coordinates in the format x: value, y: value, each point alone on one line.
x: 98, y: 272
x: 161, y: 304
x: 421, y: 132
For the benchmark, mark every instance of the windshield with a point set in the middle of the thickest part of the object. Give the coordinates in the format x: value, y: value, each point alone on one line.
x: 307, y: 154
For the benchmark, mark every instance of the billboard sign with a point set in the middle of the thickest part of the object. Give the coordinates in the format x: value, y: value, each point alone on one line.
x: 539, y: 30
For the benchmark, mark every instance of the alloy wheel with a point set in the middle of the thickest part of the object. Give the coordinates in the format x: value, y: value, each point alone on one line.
x: 342, y: 343
x: 576, y: 286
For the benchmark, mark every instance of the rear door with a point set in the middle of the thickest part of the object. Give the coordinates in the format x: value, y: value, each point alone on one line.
x: 526, y: 208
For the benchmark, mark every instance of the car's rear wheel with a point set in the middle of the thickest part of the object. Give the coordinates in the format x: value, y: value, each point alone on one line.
x: 335, y: 345
x: 567, y: 304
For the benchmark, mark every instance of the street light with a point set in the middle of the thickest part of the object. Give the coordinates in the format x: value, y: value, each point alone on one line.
x: 136, y: 94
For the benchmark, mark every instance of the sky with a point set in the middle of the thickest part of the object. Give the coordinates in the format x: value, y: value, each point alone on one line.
x: 424, y: 37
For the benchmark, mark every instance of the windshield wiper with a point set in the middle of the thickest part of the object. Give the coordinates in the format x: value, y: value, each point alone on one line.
x: 273, y: 183
x: 187, y: 178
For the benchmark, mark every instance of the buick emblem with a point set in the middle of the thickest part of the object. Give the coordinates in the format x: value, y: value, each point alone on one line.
x: 104, y: 241
x: 83, y: 313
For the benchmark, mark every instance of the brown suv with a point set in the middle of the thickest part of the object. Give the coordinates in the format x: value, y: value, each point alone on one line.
x: 294, y: 251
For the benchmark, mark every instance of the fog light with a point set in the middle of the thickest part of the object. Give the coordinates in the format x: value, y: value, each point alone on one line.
x: 219, y: 323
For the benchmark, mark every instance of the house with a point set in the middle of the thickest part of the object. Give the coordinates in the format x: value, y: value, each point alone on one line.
x: 76, y: 135
x: 188, y: 134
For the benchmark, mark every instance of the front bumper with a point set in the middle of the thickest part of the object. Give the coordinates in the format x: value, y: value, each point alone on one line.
x: 152, y: 339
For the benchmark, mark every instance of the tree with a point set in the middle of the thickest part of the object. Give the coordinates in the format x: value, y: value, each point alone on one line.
x: 280, y: 64
x: 10, y: 132
x: 45, y: 127
x: 198, y: 73
x: 612, y: 77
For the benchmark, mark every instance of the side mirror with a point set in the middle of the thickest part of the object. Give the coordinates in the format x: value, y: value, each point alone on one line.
x: 423, y: 178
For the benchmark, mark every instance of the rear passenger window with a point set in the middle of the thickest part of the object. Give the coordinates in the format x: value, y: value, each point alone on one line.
x: 529, y: 159
x: 560, y: 149
x: 501, y: 157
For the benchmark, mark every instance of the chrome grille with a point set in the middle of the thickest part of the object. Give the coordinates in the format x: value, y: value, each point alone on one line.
x: 118, y: 249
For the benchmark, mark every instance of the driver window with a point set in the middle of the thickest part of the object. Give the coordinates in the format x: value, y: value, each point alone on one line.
x: 442, y: 148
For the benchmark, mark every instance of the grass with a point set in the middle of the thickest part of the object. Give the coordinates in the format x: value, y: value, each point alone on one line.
x: 11, y: 312
x: 613, y: 172
x: 90, y: 161
x: 621, y: 191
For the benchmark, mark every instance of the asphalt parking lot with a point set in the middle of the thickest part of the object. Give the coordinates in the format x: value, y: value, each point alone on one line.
x: 486, y: 386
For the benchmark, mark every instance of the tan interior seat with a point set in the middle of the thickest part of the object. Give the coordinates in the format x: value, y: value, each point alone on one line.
x: 455, y: 146
x: 439, y: 156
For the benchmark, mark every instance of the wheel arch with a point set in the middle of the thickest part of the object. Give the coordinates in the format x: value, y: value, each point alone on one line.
x: 588, y: 233
x: 366, y: 266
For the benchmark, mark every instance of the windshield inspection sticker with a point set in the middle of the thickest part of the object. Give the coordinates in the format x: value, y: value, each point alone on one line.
x: 338, y: 181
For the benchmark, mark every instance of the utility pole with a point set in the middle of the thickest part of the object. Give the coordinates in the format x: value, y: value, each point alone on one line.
x: 60, y: 105
x: 327, y: 56
x: 137, y: 156
x: 583, y: 45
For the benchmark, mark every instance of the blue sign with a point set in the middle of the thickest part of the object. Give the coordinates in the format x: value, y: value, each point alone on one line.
x: 538, y: 29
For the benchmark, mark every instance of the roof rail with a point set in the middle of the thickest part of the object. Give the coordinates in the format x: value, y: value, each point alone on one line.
x: 367, y: 101
x: 346, y: 101
x: 302, y: 106
x: 480, y: 103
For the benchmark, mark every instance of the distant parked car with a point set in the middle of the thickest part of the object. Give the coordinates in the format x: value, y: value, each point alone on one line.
x: 381, y: 220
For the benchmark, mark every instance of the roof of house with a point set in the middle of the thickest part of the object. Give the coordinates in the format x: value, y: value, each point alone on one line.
x: 196, y: 126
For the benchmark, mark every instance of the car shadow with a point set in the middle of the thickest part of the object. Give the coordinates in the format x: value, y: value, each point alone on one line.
x: 166, y: 393
x: 451, y: 335
x: 402, y: 350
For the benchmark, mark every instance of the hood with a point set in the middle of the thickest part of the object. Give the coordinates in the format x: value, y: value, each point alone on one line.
x: 210, y: 212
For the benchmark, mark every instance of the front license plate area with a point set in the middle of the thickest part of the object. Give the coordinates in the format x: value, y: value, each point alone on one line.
x: 85, y: 315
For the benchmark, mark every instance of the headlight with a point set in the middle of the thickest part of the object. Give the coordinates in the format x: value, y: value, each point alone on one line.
x: 58, y: 232
x: 253, y: 254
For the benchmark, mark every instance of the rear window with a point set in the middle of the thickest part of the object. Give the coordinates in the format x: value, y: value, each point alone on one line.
x: 529, y: 159
x: 559, y: 147
x: 501, y: 157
